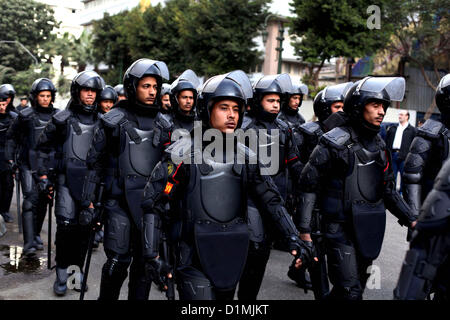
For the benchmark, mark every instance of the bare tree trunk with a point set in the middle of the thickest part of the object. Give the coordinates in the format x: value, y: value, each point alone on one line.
x: 422, y: 70
x: 316, y: 74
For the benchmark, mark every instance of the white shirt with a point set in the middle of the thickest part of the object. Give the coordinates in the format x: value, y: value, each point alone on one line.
x: 398, y: 135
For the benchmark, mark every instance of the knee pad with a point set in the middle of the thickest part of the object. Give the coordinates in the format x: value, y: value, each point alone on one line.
x: 342, y: 265
x: 117, y: 232
x: 114, y: 268
x: 27, y: 205
x: 65, y: 209
x: 193, y: 285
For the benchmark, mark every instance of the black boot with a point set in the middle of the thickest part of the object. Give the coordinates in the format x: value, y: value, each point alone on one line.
x: 38, y: 243
x: 7, y: 217
x: 60, y: 285
x: 28, y: 234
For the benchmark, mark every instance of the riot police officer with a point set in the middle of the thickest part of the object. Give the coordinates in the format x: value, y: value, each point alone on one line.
x: 183, y: 100
x: 289, y: 109
x: 165, y: 98
x: 327, y: 102
x: 426, y: 266
x: 429, y: 150
x: 212, y: 242
x: 125, y: 149
x: 8, y: 90
x: 69, y: 135
x: 351, y: 168
x: 108, y: 97
x: 269, y: 94
x: 22, y: 139
x: 120, y: 92
x: 6, y: 169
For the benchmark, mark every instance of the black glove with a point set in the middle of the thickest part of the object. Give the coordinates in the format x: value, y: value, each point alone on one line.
x: 87, y: 216
x: 306, y: 250
x: 157, y: 270
x: 44, y: 186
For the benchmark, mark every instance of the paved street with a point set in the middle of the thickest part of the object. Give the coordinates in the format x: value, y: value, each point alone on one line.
x: 21, y: 279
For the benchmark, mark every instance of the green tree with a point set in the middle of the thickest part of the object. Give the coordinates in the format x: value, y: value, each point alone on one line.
x: 328, y: 28
x: 28, y: 22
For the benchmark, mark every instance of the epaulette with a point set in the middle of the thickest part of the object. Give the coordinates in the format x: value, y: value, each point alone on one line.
x: 61, y: 116
x: 310, y: 128
x: 431, y: 129
x: 113, y: 118
x: 337, y: 138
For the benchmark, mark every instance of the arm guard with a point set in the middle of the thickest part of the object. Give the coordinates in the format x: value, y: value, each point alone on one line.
x: 397, y: 205
x: 91, y: 181
x: 306, y: 207
x: 46, y: 143
x: 13, y: 139
x: 151, y: 235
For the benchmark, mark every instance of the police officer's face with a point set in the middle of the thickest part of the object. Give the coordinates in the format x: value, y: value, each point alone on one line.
x: 23, y: 102
x: 186, y: 100
x: 294, y: 101
x: 146, y: 90
x: 374, y: 113
x: 271, y: 103
x: 44, y: 98
x: 122, y: 97
x: 225, y: 116
x: 106, y: 105
x: 3, y: 105
x: 337, y: 106
x: 165, y: 102
x: 87, y: 96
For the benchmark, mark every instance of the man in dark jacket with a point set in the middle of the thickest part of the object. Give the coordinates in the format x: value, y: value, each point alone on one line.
x: 398, y: 139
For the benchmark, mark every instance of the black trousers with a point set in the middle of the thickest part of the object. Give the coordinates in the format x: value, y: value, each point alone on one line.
x: 6, y: 190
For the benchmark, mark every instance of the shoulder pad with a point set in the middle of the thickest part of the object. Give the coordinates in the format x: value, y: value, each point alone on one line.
x: 26, y: 112
x: 113, y: 117
x: 430, y: 128
x: 13, y: 114
x: 180, y: 150
x: 442, y: 181
x: 249, y: 155
x: 61, y: 116
x: 165, y: 120
x: 336, y: 137
x: 282, y: 124
x: 309, y: 128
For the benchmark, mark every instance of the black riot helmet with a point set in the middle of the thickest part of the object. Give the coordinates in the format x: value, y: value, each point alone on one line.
x: 86, y: 80
x: 39, y: 85
x: 325, y: 98
x: 108, y: 93
x: 234, y: 85
x: 382, y: 89
x: 188, y: 80
x: 165, y: 89
x: 296, y: 89
x: 8, y: 91
x: 443, y: 95
x: 145, y: 68
x: 279, y: 84
x: 120, y: 90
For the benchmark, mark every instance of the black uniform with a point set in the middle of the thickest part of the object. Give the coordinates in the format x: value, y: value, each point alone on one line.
x: 262, y: 234
x: 9, y: 91
x: 288, y: 115
x: 6, y: 173
x: 125, y: 150
x: 429, y: 150
x: 427, y: 263
x: 308, y: 135
x: 68, y: 136
x: 213, y: 237
x: 350, y: 178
